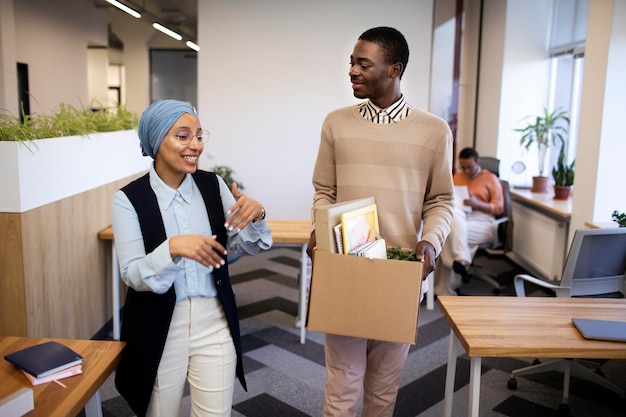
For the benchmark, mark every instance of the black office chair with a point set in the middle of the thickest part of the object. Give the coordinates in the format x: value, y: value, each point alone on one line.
x: 595, y: 266
x: 491, y: 164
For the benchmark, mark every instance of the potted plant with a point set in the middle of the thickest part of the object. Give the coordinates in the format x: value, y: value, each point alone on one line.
x: 563, y: 175
x: 546, y: 130
x: 45, y: 158
x: 619, y: 218
x: 226, y: 173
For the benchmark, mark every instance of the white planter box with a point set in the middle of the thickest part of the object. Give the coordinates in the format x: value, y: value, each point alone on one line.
x: 49, y: 170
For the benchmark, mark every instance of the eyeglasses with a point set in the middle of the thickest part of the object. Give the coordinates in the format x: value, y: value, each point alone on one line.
x: 185, y: 137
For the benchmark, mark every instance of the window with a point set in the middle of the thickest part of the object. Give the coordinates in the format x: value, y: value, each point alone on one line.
x: 567, y: 57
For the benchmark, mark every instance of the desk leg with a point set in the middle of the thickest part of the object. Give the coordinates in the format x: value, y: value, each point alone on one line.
x: 430, y: 295
x: 474, y: 388
x: 304, y: 280
x: 93, y: 408
x: 115, y: 292
x: 450, y: 376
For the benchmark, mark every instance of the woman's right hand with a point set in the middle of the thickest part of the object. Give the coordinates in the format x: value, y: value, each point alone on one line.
x: 204, y: 249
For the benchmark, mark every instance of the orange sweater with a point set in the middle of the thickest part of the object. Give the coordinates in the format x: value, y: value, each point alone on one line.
x: 486, y: 187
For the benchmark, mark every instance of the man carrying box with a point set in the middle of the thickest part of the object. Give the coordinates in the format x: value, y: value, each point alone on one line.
x: 402, y: 156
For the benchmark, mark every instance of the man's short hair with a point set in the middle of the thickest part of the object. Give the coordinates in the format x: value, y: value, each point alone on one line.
x: 392, y: 42
x: 467, y: 153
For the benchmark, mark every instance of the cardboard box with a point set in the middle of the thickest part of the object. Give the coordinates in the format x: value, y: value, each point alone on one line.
x: 370, y: 298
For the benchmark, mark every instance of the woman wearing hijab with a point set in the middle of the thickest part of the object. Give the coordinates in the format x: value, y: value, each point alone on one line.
x: 174, y: 230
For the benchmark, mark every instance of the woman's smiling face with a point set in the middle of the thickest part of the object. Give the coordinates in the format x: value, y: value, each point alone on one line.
x: 175, y: 159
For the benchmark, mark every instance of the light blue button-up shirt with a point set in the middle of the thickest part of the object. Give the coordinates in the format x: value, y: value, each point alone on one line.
x: 184, y: 213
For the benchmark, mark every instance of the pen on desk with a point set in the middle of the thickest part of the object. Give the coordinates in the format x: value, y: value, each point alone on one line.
x: 60, y: 383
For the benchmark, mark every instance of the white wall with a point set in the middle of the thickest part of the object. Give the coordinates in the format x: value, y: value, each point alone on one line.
x: 598, y: 186
x: 52, y: 38
x: 270, y: 71
x: 513, y: 79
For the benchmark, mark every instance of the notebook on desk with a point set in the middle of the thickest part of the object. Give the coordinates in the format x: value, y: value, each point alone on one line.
x: 596, y: 329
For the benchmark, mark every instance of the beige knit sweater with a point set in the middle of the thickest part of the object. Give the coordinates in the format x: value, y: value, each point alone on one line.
x: 406, y: 167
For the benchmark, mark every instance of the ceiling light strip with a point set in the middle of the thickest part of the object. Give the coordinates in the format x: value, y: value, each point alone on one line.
x: 193, y: 46
x: 125, y: 8
x: 167, y: 31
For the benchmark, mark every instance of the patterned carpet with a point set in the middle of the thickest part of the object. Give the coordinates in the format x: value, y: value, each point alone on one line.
x: 286, y: 378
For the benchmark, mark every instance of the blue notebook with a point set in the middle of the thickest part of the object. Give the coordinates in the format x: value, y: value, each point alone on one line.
x: 596, y: 329
x: 44, y: 359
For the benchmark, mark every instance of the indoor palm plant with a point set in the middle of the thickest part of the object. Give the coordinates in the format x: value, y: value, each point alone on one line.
x: 547, y: 129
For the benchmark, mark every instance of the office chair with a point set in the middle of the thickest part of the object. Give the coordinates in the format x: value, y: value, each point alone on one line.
x: 491, y: 164
x: 595, y: 266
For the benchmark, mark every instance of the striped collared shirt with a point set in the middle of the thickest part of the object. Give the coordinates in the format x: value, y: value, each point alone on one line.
x: 392, y: 114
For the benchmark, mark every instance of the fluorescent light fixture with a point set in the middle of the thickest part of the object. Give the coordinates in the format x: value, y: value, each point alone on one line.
x: 125, y: 8
x: 193, y: 46
x: 167, y: 31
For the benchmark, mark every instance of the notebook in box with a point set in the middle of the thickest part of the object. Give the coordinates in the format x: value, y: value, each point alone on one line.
x: 596, y: 329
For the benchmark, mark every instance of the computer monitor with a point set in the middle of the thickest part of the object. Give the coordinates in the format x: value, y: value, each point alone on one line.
x: 596, y: 262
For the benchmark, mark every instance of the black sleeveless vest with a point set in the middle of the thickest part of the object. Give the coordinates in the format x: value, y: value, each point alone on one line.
x: 147, y: 315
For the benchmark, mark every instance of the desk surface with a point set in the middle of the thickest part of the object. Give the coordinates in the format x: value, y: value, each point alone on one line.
x: 283, y: 231
x: 545, y: 201
x: 530, y: 327
x: 51, y: 400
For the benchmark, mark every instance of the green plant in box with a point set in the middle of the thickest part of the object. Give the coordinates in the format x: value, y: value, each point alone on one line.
x: 397, y: 253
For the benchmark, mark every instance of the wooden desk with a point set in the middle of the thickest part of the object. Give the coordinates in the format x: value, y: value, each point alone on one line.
x: 51, y: 400
x: 284, y: 232
x: 107, y: 234
x: 296, y: 232
x: 522, y: 327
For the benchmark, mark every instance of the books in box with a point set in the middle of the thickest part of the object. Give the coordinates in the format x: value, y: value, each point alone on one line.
x: 358, y: 227
x: 44, y: 359
x: 327, y: 217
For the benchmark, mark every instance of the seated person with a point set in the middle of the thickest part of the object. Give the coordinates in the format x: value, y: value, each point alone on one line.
x: 471, y: 224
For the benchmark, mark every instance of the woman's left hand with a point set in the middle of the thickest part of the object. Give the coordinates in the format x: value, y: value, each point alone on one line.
x: 244, y: 211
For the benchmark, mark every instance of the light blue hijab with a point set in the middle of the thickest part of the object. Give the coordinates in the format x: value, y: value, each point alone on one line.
x: 157, y: 120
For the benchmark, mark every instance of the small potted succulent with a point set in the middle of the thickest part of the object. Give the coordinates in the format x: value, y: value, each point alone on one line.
x: 563, y: 175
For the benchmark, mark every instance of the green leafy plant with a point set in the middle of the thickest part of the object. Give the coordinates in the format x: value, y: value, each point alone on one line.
x: 226, y: 173
x: 619, y: 218
x: 66, y: 121
x: 563, y: 173
x: 397, y: 253
x: 545, y: 131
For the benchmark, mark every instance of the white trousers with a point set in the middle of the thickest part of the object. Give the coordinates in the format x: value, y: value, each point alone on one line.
x: 198, y: 349
x: 467, y: 231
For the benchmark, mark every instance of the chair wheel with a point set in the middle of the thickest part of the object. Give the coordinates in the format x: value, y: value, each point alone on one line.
x: 563, y: 410
x: 512, y: 384
x: 536, y: 362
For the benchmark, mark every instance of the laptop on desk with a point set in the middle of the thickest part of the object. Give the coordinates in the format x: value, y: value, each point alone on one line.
x: 596, y: 329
